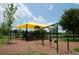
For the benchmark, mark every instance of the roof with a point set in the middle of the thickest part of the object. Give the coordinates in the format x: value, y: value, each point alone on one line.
x: 31, y: 25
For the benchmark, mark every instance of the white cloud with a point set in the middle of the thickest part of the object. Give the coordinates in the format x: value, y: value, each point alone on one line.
x: 49, y: 23
x: 40, y: 19
x: 23, y: 11
x: 3, y: 5
x: 1, y: 12
x: 50, y: 7
x: 1, y: 9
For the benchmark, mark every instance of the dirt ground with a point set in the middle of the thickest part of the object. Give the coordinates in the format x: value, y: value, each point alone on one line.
x: 22, y: 46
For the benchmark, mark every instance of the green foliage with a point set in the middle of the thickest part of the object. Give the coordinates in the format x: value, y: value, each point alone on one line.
x: 9, y: 19
x: 70, y: 20
x: 17, y: 33
x: 3, y: 29
x: 6, y: 25
x: 71, y: 39
x: 37, y: 33
x: 9, y: 16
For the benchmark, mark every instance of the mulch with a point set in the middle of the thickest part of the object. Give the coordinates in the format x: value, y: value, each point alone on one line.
x: 21, y: 46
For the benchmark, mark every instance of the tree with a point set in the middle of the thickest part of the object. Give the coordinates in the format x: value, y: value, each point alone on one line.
x: 2, y: 28
x: 9, y: 18
x: 70, y: 20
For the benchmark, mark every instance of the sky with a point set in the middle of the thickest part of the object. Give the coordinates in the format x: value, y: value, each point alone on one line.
x: 44, y: 13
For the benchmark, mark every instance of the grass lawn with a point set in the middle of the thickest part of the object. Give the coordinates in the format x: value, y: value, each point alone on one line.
x: 3, y: 39
x: 76, y: 49
x: 71, y: 39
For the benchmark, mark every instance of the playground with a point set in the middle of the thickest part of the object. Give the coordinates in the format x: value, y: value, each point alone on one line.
x: 40, y: 46
x: 47, y: 34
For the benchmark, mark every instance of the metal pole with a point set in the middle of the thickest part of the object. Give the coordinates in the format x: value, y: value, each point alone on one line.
x: 42, y: 38
x: 50, y: 37
x: 67, y: 42
x: 26, y: 32
x: 57, y: 37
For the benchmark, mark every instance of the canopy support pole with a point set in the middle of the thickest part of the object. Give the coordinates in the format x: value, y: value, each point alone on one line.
x: 42, y: 38
x: 26, y: 32
x: 57, y: 37
x: 50, y: 36
x: 68, y: 42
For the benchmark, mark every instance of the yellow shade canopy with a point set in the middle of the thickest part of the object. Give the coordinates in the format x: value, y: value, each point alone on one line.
x: 31, y: 25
